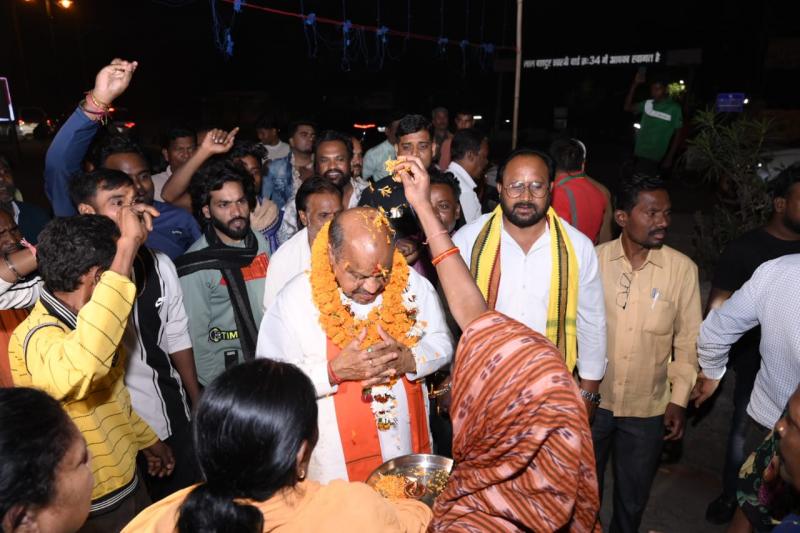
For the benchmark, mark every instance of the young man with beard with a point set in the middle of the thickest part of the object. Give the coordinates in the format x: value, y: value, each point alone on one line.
x: 178, y: 147
x: 332, y: 160
x: 515, y: 255
x: 160, y: 371
x: 175, y: 229
x: 30, y: 218
x: 738, y: 262
x: 318, y: 200
x: 652, y: 302
x: 287, y: 173
x: 223, y: 273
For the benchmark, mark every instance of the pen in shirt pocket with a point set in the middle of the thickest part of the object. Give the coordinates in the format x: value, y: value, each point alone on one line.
x: 654, y: 295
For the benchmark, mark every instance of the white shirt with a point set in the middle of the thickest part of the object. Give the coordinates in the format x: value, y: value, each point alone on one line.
x: 470, y: 205
x: 143, y: 380
x: 769, y: 298
x: 277, y: 151
x: 524, y: 290
x: 292, y: 258
x: 21, y: 294
x: 290, y: 332
x: 158, y: 183
x: 358, y: 184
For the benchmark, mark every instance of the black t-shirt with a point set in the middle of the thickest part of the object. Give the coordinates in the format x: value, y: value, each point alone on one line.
x: 389, y: 195
x: 736, y: 265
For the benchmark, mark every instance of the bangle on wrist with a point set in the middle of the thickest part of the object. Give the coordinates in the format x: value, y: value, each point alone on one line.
x: 444, y: 255
x: 592, y: 397
x: 96, y: 102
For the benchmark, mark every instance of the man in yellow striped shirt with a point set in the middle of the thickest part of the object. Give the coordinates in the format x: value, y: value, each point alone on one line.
x: 69, y: 347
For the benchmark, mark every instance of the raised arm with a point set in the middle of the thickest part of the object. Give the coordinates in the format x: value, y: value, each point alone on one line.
x: 175, y: 188
x: 629, y: 105
x: 70, y: 144
x: 464, y: 299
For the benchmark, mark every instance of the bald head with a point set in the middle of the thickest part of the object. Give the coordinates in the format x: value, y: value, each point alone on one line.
x: 361, y: 252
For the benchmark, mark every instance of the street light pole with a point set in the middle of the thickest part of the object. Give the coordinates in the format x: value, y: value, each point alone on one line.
x: 518, y: 72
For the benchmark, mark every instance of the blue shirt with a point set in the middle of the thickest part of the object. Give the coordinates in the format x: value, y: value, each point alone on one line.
x: 64, y: 158
x: 174, y: 231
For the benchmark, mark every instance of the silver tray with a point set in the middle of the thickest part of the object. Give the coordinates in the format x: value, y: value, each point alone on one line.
x: 429, y: 471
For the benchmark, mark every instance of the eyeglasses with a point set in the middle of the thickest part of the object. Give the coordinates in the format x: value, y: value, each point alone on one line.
x: 536, y: 188
x: 625, y: 284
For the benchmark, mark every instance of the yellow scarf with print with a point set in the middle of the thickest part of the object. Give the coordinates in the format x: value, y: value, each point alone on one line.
x: 562, y: 308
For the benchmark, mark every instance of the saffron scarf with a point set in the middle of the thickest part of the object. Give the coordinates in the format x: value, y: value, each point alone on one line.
x: 358, y: 432
x: 562, y: 308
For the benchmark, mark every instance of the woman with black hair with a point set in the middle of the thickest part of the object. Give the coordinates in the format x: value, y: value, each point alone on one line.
x: 45, y: 479
x: 255, y: 429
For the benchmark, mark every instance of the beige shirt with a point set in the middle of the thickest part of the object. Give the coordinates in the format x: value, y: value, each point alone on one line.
x: 653, y: 316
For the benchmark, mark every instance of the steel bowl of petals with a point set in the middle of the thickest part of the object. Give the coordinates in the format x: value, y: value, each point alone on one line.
x: 417, y: 476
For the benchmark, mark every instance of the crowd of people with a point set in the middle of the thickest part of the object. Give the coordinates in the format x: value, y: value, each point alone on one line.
x: 238, y: 342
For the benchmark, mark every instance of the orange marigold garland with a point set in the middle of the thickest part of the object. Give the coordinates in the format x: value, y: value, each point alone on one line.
x: 337, y: 320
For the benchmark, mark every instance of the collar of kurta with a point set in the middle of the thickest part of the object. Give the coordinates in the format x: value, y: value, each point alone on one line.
x: 654, y: 256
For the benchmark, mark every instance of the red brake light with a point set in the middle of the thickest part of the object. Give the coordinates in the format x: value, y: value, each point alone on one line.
x: 129, y: 125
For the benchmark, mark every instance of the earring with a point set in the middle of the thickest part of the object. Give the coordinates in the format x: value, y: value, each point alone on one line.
x: 301, y: 474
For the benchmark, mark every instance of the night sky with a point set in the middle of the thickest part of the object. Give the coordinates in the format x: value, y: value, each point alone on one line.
x: 183, y: 76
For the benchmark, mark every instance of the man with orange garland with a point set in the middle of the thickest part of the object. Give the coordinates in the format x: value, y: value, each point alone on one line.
x: 366, y: 329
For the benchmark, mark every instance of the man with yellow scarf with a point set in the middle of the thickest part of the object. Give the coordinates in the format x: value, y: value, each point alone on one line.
x: 539, y: 270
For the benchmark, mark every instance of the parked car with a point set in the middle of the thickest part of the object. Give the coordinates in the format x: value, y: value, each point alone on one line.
x: 33, y: 122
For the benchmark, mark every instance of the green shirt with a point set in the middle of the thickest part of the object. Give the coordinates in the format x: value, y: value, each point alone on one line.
x: 659, y: 122
x: 212, y: 326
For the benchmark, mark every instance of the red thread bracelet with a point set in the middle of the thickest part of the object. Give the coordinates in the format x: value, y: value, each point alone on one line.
x: 443, y: 232
x: 332, y: 375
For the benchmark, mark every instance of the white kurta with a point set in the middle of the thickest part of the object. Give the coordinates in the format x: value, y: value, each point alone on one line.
x: 524, y: 291
x: 291, y: 258
x: 290, y: 332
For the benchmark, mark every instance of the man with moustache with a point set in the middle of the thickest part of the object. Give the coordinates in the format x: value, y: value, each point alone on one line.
x: 357, y: 182
x: 332, y: 160
x: 317, y: 201
x: 179, y: 145
x: 414, y: 138
x: 222, y: 274
x: 652, y: 300
x: 516, y: 254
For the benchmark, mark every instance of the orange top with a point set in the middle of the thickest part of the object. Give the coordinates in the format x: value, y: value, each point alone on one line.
x: 308, y: 507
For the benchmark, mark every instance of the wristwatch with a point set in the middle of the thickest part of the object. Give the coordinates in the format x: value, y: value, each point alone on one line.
x: 592, y: 397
